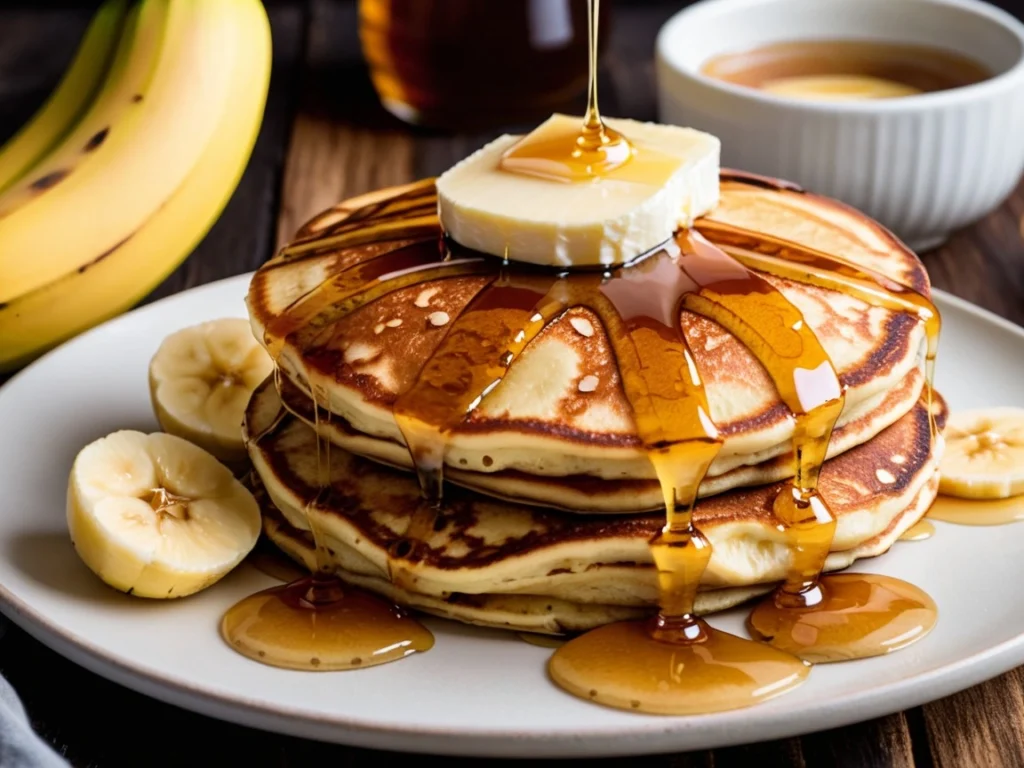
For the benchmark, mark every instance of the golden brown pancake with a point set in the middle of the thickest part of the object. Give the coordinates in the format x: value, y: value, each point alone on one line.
x: 497, y: 563
x: 540, y: 426
x: 595, y: 495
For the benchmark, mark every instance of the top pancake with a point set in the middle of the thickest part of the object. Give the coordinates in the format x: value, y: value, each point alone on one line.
x: 539, y: 420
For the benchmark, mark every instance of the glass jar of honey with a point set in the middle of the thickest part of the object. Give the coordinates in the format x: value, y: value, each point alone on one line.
x: 476, y: 63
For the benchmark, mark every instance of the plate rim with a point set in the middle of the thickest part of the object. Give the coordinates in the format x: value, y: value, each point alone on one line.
x: 653, y: 736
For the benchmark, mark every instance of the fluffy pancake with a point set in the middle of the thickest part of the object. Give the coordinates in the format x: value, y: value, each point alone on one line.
x: 538, y: 425
x: 492, y: 562
x: 585, y: 493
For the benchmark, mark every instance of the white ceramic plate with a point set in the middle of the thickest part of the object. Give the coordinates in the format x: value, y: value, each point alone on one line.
x: 477, y: 692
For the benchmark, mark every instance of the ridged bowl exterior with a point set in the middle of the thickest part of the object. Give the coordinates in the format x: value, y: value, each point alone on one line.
x: 923, y: 166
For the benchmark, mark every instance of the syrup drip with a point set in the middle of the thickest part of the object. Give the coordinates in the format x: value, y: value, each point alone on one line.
x: 637, y: 304
x: 668, y: 401
x: 794, y: 261
x: 950, y: 509
x: 775, y: 332
x: 593, y: 151
x: 316, y: 622
x: 542, y: 641
x: 919, y: 531
x: 304, y: 320
x: 470, y: 362
x: 402, y: 217
x: 676, y: 663
x: 755, y: 312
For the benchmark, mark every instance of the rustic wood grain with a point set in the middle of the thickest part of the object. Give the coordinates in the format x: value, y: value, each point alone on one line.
x: 325, y: 137
x: 981, y: 726
x: 331, y: 161
x: 882, y: 742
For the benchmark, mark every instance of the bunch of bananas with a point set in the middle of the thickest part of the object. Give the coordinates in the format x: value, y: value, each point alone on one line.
x: 129, y: 163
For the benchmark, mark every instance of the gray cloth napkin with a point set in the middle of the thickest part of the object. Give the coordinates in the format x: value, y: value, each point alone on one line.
x: 20, y: 746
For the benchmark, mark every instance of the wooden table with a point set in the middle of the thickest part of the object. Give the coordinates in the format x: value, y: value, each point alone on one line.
x: 324, y: 138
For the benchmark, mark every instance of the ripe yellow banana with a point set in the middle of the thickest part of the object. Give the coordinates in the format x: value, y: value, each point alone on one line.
x: 109, y: 285
x: 141, y: 160
x: 131, y: 70
x: 70, y: 99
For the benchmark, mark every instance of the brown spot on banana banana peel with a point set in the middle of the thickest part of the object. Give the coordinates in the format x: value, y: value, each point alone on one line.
x: 104, y: 255
x: 96, y: 140
x: 48, y: 181
x: 53, y: 178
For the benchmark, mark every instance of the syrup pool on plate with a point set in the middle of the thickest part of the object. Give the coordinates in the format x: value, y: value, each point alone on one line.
x: 318, y: 622
x: 950, y: 509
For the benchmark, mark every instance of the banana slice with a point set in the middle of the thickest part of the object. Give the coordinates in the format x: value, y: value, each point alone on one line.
x: 200, y: 381
x: 984, y: 456
x: 155, y: 516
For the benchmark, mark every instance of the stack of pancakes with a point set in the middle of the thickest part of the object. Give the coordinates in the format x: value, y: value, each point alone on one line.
x: 551, y: 499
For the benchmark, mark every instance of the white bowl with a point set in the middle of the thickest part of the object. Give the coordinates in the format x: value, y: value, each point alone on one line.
x: 922, y: 165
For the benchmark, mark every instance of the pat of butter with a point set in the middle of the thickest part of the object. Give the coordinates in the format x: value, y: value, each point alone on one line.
x: 608, y: 219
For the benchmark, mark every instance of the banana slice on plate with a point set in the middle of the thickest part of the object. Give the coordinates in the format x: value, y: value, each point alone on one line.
x: 200, y: 381
x: 984, y: 456
x: 155, y: 516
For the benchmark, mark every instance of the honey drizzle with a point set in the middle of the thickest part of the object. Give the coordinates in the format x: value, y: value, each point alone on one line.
x: 785, y: 620
x: 950, y: 509
x: 303, y: 321
x: 919, y: 531
x: 640, y: 312
x: 774, y: 330
x: 407, y: 215
x: 794, y: 261
x: 472, y: 359
x: 676, y: 663
x: 593, y: 151
x: 431, y: 409
x: 316, y: 622
x: 673, y: 421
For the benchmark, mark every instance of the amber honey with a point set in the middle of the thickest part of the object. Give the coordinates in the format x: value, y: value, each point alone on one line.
x: 467, y: 63
x: 922, y: 530
x: 845, y: 616
x: 542, y: 641
x: 319, y: 624
x: 977, y: 511
x: 846, y: 69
